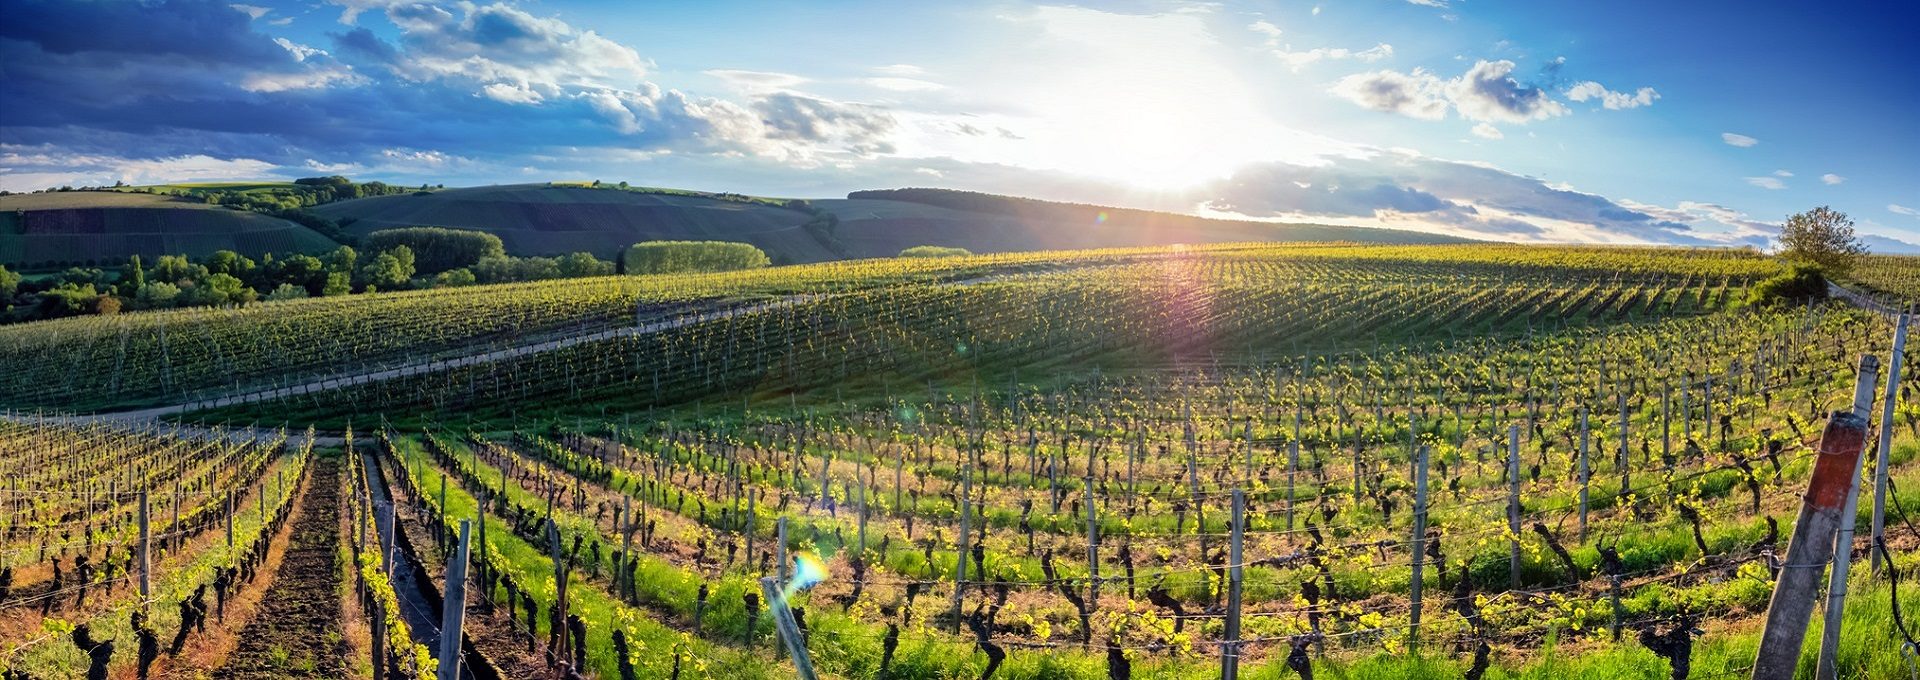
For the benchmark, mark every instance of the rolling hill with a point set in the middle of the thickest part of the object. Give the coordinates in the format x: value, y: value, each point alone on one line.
x: 542, y: 219
x: 51, y: 229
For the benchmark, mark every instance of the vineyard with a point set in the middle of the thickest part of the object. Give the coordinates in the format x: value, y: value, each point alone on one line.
x: 1268, y: 461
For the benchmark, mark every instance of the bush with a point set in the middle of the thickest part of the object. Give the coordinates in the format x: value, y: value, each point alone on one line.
x: 454, y: 278
x: 1800, y: 284
x: 671, y: 257
x: 935, y: 251
x: 287, y: 291
x: 438, y: 249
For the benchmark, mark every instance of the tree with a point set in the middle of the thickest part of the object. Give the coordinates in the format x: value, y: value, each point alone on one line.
x: 157, y: 295
x: 220, y: 289
x: 389, y: 270
x: 229, y: 263
x: 668, y: 257
x: 287, y: 291
x: 176, y: 268
x: 454, y: 278
x: 1824, y: 237
x: 439, y: 249
x: 342, y: 259
x: 338, y: 283
x: 132, y: 277
x: 305, y: 271
x: 9, y: 282
x: 935, y: 251
x: 584, y: 264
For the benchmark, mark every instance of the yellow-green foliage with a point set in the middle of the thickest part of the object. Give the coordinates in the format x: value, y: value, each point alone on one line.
x: 935, y: 251
x: 676, y: 257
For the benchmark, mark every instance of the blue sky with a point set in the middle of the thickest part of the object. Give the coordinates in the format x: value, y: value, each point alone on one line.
x: 1636, y: 122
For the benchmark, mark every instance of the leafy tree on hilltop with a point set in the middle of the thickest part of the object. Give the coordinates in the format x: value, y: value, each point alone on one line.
x: 1822, y: 236
x: 389, y: 270
x: 9, y: 282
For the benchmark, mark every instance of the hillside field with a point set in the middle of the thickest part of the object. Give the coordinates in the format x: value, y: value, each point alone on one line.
x: 549, y: 219
x: 108, y: 227
x: 1017, y: 465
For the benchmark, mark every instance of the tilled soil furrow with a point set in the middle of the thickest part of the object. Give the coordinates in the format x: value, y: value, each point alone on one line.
x: 297, y: 632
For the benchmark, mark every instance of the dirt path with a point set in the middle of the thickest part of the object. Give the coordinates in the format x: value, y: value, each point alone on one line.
x: 297, y: 632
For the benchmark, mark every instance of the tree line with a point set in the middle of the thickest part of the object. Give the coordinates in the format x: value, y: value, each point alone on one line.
x: 412, y: 258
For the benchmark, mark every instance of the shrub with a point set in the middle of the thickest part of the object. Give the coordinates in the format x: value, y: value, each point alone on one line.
x: 287, y: 291
x: 935, y: 251
x: 669, y: 257
x: 1800, y: 284
x: 438, y: 249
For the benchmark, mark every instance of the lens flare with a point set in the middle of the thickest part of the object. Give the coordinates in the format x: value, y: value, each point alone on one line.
x: 808, y: 571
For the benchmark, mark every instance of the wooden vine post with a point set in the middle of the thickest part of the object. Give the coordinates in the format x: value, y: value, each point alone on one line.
x: 1230, y: 650
x: 146, y: 552
x: 453, y: 608
x: 789, y: 630
x: 559, y: 583
x: 1093, y: 551
x: 1835, y: 470
x: 1419, y: 547
x: 1586, y: 472
x: 1894, y: 365
x: 1513, y: 504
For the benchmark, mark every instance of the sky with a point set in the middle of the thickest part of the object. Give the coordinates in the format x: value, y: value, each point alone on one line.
x: 1702, y: 123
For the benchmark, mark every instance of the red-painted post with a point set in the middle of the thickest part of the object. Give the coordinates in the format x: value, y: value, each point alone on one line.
x: 1835, y: 471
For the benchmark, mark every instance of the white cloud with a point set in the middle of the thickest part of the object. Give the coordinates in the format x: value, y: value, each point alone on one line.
x: 300, y: 52
x: 756, y: 81
x: 1487, y: 92
x: 1773, y: 183
x: 1898, y: 209
x: 1487, y: 131
x: 904, y: 70
x: 1296, y: 59
x: 1741, y: 141
x: 1429, y: 3
x: 904, y: 84
x: 1418, y: 94
x: 1782, y: 173
x: 252, y: 11
x: 1832, y: 179
x: 511, y: 94
x: 1610, y: 99
x: 31, y: 168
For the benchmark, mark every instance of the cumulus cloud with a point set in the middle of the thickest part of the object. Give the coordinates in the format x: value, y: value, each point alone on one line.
x: 192, y: 76
x: 1487, y: 131
x: 1741, y: 141
x: 1586, y: 90
x: 1418, y: 94
x: 856, y: 127
x: 1407, y: 189
x: 1772, y: 183
x: 31, y: 168
x: 1487, y: 92
x: 1832, y: 179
